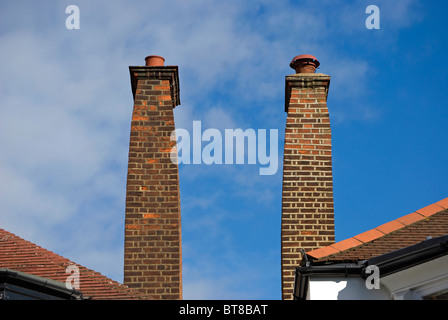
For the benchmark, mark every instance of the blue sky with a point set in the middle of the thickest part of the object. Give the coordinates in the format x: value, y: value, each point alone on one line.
x: 66, y: 107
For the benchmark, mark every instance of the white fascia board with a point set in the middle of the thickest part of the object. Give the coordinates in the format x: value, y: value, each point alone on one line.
x: 418, y: 281
x: 343, y: 288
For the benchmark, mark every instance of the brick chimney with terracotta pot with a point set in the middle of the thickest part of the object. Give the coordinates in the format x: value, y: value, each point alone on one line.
x: 307, y: 197
x: 152, y: 249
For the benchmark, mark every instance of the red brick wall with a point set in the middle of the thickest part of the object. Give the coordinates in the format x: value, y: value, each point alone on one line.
x: 152, y: 250
x: 307, y: 199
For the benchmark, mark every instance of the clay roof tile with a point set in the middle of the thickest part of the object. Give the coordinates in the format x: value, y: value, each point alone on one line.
x: 21, y: 255
x: 409, y: 229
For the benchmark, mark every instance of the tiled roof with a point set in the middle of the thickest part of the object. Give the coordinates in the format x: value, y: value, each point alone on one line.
x: 402, y: 232
x: 21, y: 255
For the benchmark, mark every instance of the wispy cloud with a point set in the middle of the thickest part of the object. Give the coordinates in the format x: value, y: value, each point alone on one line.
x: 66, y: 110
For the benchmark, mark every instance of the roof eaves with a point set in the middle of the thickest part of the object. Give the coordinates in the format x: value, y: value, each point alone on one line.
x: 49, y: 285
x: 407, y: 257
x: 387, y: 263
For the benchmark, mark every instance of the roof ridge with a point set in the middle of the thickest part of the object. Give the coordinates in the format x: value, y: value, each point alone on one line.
x: 381, y: 231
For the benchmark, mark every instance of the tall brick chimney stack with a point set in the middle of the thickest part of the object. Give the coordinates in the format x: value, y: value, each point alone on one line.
x: 307, y: 199
x: 152, y: 249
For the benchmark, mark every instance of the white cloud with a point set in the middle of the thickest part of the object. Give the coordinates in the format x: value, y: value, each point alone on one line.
x: 401, y: 14
x: 27, y: 206
x: 66, y: 109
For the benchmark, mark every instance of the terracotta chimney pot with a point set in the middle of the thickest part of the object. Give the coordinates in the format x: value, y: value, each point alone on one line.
x: 304, y: 63
x: 154, y: 61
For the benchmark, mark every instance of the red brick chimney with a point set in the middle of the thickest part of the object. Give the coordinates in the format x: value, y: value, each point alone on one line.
x: 307, y: 199
x: 152, y: 249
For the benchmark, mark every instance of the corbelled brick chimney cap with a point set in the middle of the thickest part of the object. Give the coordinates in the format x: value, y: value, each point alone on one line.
x: 154, y: 61
x: 304, y: 63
